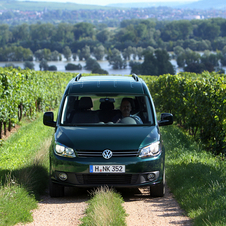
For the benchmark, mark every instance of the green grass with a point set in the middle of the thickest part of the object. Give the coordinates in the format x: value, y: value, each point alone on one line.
x: 105, y: 209
x: 23, y: 171
x: 196, y: 178
x: 15, y: 204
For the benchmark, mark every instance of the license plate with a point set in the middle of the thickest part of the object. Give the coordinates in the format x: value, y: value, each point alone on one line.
x: 107, y: 168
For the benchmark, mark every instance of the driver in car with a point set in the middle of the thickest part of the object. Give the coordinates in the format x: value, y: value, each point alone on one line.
x: 125, y: 109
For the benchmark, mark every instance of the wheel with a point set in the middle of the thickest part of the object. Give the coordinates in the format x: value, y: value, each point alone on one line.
x: 55, y: 190
x: 158, y: 190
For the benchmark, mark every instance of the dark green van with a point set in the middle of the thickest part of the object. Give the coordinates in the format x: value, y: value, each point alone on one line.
x: 96, y: 143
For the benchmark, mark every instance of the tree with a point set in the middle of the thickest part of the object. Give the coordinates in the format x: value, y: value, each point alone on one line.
x: 207, y: 30
x: 43, y: 54
x: 55, y: 56
x: 188, y: 57
x: 74, y: 56
x: 64, y: 33
x: 128, y: 52
x: 103, y: 36
x: 67, y: 53
x: 135, y: 67
x: 195, y: 68
x: 157, y: 63
x: 203, y: 45
x: 134, y: 52
x: 149, y: 49
x: 126, y: 34
x: 141, y: 31
x: 191, y: 44
x: 219, y: 43
x: 115, y: 59
x: 52, y: 68
x: 149, y: 66
x: 73, y: 67
x: 163, y: 62
x: 21, y: 32
x: 91, y: 64
x: 43, y: 65
x: 83, y: 30
x: 5, y: 34
x: 99, y: 52
x: 85, y: 53
x: 222, y: 56
x: 178, y: 50
x: 140, y: 51
x: 42, y: 31
x: 210, y: 58
x: 176, y: 30
x: 29, y: 64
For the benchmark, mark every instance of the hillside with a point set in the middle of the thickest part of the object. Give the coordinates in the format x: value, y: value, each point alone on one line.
x: 147, y: 4
x: 201, y: 4
x: 38, y: 6
x: 205, y: 4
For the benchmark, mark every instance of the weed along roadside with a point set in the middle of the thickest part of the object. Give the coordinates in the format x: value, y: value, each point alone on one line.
x: 196, y: 178
x: 23, y: 171
x: 105, y: 208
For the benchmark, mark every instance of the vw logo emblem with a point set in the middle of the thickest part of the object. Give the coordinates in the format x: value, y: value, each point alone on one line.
x: 107, y: 154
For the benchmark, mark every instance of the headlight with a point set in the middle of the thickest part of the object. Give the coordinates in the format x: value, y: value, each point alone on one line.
x: 150, y: 150
x: 64, y: 151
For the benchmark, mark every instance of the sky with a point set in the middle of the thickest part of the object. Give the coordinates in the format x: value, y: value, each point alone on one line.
x: 106, y: 2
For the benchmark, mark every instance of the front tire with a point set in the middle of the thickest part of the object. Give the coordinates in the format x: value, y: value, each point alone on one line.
x: 158, y: 190
x: 55, y: 190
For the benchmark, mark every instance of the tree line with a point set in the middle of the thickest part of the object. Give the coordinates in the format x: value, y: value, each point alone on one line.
x: 132, y: 40
x: 198, y: 35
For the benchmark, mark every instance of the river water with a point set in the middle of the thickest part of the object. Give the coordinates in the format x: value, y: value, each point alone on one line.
x: 61, y: 66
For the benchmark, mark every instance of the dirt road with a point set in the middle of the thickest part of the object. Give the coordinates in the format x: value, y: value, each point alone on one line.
x: 141, y: 209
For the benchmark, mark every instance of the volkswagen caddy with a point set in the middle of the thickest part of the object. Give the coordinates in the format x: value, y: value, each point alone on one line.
x: 94, y: 144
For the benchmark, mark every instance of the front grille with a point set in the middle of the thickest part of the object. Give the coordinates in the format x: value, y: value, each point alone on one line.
x: 107, y: 179
x: 116, y: 153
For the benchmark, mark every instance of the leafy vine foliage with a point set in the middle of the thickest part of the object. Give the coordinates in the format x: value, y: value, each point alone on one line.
x: 25, y: 92
x: 198, y: 102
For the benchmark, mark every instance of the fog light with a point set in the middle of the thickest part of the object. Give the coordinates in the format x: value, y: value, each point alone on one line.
x: 151, y: 176
x: 62, y: 176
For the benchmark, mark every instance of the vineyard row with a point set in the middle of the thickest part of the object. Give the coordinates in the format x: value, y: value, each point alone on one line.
x: 197, y: 101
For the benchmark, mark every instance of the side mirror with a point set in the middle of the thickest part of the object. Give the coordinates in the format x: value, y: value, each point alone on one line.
x: 166, y: 119
x: 48, y: 118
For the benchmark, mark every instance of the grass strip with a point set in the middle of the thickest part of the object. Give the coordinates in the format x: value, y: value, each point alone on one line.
x: 196, y: 178
x: 23, y: 171
x: 105, y: 208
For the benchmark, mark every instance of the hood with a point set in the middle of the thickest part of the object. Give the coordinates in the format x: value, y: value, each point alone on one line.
x: 112, y: 137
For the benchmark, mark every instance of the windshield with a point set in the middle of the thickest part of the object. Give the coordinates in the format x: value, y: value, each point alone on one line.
x: 107, y: 110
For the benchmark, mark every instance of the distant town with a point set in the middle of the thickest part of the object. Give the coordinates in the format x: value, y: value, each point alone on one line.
x: 107, y: 16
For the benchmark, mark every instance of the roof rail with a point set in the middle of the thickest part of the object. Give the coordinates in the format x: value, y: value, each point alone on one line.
x: 136, y: 78
x: 78, y: 77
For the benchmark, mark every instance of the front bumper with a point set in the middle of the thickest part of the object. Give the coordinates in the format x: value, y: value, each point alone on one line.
x: 77, y: 173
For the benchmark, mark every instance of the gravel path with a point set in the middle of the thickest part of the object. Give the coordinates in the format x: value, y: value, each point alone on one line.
x: 163, y: 211
x: 141, y: 209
